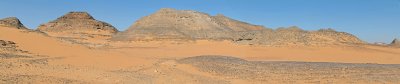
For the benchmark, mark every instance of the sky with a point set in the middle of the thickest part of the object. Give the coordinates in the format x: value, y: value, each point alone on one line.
x: 370, y: 20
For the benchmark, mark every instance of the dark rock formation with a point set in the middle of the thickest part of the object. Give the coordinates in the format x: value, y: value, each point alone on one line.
x: 12, y: 22
x: 78, y: 22
x: 7, y: 44
x: 395, y: 43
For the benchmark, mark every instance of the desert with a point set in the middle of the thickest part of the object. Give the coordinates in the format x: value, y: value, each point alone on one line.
x: 174, y: 46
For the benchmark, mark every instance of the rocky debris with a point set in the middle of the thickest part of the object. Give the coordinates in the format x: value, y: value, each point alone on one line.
x: 12, y: 22
x: 294, y: 72
x: 395, y: 43
x: 296, y: 36
x: 380, y: 43
x: 78, y: 23
x: 7, y: 44
x: 167, y: 24
x: 184, y: 24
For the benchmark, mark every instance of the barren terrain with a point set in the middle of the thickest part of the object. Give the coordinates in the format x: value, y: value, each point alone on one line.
x: 39, y: 58
x: 188, y: 47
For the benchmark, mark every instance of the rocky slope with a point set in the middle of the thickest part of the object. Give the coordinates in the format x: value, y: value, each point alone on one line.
x: 77, y: 23
x: 184, y: 24
x: 12, y: 22
x: 296, y: 36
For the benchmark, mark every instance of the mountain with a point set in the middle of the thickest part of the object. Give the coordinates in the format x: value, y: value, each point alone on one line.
x: 167, y: 24
x: 77, y: 23
x: 170, y: 23
x: 12, y: 22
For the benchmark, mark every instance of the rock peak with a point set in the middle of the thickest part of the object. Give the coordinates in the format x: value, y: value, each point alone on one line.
x: 12, y: 22
x: 77, y: 15
x: 78, y: 22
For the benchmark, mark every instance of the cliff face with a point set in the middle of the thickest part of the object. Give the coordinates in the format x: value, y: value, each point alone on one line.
x: 12, y: 22
x: 184, y: 24
x: 77, y: 22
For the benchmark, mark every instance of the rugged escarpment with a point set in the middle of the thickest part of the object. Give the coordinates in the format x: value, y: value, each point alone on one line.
x: 184, y: 24
x: 12, y: 22
x: 77, y: 23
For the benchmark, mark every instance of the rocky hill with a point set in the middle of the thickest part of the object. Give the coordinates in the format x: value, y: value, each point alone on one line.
x: 12, y: 22
x: 184, y: 24
x: 187, y: 24
x: 296, y: 36
x: 9, y: 47
x: 77, y: 23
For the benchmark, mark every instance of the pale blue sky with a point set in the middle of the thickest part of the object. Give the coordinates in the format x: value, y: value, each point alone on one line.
x: 371, y: 20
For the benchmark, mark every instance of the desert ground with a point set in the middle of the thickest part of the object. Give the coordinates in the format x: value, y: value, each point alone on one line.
x: 39, y: 58
x: 188, y: 47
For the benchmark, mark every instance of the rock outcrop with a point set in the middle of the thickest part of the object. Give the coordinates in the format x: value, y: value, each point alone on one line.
x: 184, y: 24
x: 12, y: 22
x: 77, y: 23
x: 7, y: 47
x: 395, y: 43
x: 296, y: 36
x: 7, y: 44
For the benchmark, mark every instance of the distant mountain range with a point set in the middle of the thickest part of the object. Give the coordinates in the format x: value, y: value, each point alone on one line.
x: 173, y: 25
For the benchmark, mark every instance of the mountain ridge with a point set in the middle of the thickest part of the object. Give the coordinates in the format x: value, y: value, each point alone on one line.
x: 170, y: 24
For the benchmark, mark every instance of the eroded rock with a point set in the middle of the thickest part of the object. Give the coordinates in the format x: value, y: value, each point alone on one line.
x: 12, y: 22
x: 77, y: 23
x: 395, y: 43
x: 184, y: 24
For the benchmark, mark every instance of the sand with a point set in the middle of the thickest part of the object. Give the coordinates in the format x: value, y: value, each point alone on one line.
x: 156, y: 61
